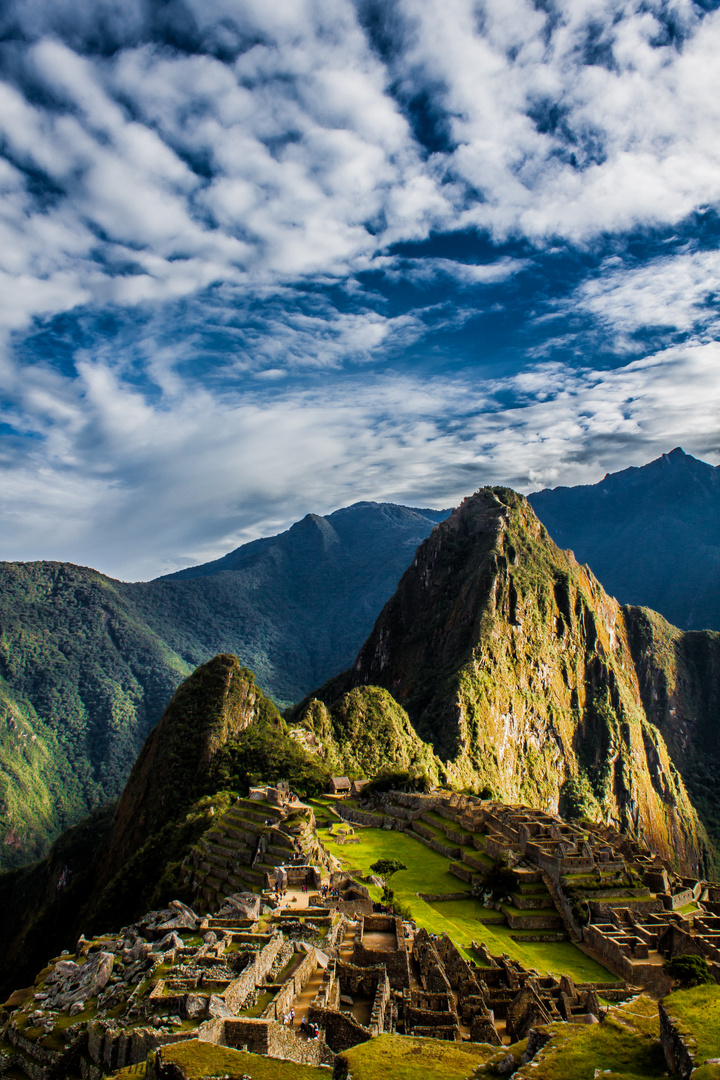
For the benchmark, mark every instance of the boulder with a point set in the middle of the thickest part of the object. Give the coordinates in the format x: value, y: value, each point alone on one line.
x: 170, y: 941
x: 195, y: 1006
x: 86, y: 981
x: 183, y: 919
x: 218, y: 1009
x: 245, y: 905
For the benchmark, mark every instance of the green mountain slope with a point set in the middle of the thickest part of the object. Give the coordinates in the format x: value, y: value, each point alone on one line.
x: 87, y: 664
x: 218, y: 734
x: 514, y: 664
x: 82, y: 681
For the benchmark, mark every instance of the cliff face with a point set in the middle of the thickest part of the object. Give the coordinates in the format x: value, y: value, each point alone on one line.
x: 679, y: 677
x: 512, y: 661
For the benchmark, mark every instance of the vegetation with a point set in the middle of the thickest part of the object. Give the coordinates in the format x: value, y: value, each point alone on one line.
x: 83, y: 680
x: 409, y: 1058
x: 626, y: 1045
x: 688, y: 971
x: 385, y: 868
x: 397, y: 780
x: 696, y: 1013
x: 198, y: 1060
x: 365, y: 728
x: 578, y: 801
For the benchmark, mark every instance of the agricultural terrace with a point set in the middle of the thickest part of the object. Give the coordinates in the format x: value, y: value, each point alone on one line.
x: 427, y: 872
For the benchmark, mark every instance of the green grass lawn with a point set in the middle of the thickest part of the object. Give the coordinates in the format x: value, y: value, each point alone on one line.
x: 698, y: 1015
x: 199, y: 1060
x: 444, y: 823
x: 427, y: 872
x: 400, y: 1057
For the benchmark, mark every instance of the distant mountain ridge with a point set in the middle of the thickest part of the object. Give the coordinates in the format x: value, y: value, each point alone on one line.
x: 651, y: 535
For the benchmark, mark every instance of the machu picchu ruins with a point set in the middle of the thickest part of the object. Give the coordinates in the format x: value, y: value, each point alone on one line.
x: 281, y: 953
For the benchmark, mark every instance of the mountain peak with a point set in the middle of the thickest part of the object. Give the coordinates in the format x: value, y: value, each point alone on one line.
x: 514, y: 664
x: 217, y: 702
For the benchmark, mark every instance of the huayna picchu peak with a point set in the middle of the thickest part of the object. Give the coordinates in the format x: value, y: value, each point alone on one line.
x: 512, y: 662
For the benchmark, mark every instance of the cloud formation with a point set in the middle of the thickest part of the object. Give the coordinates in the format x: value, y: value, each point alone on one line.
x: 257, y: 259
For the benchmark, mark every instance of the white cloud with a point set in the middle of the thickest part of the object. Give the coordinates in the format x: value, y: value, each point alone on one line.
x: 671, y: 292
x: 226, y: 189
x: 137, y: 488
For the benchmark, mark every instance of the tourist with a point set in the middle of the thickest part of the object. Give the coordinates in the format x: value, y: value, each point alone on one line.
x: 292, y: 1018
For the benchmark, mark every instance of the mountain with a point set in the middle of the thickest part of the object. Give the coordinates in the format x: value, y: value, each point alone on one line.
x: 651, y: 534
x: 679, y: 678
x: 512, y: 662
x: 83, y: 679
x: 87, y: 664
x: 218, y: 734
x: 295, y: 607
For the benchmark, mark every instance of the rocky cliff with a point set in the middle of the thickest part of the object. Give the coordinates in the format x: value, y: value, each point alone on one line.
x: 679, y: 677
x: 514, y: 664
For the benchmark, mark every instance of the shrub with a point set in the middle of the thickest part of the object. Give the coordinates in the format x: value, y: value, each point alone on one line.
x: 688, y: 970
x: 577, y: 800
x: 403, y: 910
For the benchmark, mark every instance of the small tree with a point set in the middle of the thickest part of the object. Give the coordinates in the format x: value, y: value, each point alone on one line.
x: 688, y: 970
x: 385, y: 868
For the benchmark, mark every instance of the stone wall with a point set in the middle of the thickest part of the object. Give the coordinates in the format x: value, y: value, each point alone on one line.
x: 253, y: 975
x: 111, y: 1048
x: 295, y: 985
x: 268, y: 1037
x: 678, y: 899
x: 397, y: 962
x: 341, y: 1031
x: 679, y: 1050
x: 363, y: 817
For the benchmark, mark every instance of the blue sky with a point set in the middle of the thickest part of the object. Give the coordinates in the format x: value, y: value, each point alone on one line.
x: 265, y: 257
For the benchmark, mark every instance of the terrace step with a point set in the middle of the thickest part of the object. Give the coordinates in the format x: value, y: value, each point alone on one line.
x: 531, y: 921
x: 528, y: 901
x: 482, y: 864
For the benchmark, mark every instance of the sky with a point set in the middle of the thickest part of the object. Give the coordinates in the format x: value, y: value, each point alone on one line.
x: 260, y: 258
